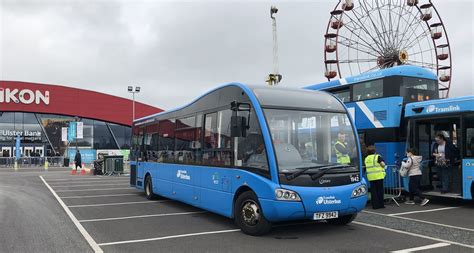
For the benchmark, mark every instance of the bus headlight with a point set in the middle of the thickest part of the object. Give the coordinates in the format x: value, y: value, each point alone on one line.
x: 359, y: 191
x: 286, y: 195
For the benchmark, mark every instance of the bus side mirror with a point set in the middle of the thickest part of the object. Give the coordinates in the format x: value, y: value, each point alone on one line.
x: 238, y: 126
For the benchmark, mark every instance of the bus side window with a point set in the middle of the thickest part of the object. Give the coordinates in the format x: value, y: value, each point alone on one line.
x: 151, y: 142
x: 251, y: 152
x: 469, y: 141
x: 217, y: 141
x: 166, y: 141
x: 185, y: 130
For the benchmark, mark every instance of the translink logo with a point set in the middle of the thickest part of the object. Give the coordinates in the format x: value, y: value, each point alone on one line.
x: 434, y: 109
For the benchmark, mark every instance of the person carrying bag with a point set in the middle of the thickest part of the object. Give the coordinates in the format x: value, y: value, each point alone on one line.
x: 411, y: 168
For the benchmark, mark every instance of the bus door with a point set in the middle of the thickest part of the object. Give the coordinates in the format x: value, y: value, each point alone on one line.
x: 425, y: 131
x: 468, y: 156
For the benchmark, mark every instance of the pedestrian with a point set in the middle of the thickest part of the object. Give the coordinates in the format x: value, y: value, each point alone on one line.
x: 445, y: 154
x: 375, y: 168
x: 412, y: 165
x: 78, y: 159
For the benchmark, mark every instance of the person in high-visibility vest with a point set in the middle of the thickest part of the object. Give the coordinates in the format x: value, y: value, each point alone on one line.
x: 342, y: 149
x: 375, y: 168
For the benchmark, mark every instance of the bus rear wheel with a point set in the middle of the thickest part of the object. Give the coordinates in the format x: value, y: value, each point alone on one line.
x: 343, y: 220
x: 249, y: 216
x: 149, y: 189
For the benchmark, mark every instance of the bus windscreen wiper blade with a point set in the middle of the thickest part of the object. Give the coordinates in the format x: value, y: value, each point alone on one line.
x: 301, y: 171
x: 325, y: 169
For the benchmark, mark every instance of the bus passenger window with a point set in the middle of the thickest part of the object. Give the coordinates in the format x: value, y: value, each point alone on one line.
x: 251, y: 152
x: 185, y: 130
x: 151, y: 143
x: 166, y: 141
x: 217, y: 141
x: 368, y: 90
x: 469, y: 123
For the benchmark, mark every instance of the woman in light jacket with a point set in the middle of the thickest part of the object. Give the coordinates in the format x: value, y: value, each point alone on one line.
x: 412, y: 164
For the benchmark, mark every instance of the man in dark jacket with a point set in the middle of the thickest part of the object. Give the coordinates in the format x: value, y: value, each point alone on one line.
x: 445, y: 154
x: 78, y: 159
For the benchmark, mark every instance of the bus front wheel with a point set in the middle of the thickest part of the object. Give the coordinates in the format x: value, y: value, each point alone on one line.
x: 343, y: 220
x: 249, y: 216
x: 149, y: 188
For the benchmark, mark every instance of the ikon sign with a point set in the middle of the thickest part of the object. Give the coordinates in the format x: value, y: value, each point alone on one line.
x: 24, y: 96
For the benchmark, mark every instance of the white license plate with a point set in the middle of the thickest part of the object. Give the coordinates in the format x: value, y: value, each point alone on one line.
x: 325, y: 215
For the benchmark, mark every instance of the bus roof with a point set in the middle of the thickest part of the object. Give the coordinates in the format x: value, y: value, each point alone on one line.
x: 270, y: 97
x: 440, y: 106
x: 403, y: 70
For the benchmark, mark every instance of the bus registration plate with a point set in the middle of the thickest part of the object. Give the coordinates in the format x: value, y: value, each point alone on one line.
x: 325, y: 215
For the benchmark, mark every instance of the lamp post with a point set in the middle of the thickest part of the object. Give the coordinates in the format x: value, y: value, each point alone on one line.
x: 133, y: 90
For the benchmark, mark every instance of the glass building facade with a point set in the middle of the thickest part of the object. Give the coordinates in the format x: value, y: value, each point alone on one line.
x: 41, y: 135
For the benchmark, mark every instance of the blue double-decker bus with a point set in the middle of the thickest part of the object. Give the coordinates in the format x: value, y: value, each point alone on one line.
x: 256, y: 154
x: 453, y: 118
x: 376, y: 101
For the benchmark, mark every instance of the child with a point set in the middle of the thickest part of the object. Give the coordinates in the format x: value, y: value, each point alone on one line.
x: 414, y: 173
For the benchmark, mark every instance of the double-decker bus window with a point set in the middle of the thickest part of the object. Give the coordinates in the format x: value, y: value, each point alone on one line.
x: 217, y: 141
x: 368, y: 90
x: 418, y: 89
x: 251, y: 152
x: 343, y: 95
x: 166, y: 141
x: 185, y: 130
x: 469, y: 140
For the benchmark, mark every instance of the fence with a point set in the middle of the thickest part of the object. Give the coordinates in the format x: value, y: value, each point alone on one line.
x: 29, y: 162
x: 392, y: 183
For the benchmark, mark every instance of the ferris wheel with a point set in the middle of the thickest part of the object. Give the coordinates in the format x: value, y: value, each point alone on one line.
x: 367, y: 35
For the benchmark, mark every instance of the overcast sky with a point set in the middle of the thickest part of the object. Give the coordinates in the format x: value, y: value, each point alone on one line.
x: 177, y: 50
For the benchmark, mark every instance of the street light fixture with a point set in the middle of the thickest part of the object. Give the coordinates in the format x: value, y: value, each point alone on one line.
x: 131, y: 90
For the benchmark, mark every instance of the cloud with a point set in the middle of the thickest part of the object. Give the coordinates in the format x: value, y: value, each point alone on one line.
x: 177, y: 50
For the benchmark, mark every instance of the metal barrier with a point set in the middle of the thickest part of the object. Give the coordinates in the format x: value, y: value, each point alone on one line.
x: 392, y: 184
x: 28, y: 162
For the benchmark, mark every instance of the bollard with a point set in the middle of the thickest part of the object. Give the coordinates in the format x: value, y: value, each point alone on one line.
x: 46, y: 165
x: 15, y: 165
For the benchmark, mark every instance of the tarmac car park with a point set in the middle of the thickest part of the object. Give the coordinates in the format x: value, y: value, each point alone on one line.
x: 57, y: 212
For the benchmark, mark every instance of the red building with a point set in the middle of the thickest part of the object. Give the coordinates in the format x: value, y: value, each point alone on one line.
x: 39, y: 112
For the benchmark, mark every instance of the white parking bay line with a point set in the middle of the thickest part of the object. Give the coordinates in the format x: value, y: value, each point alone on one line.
x: 83, y: 231
x: 101, y: 189
x: 99, y: 196
x: 80, y: 179
x: 120, y: 203
x: 422, y: 221
x: 89, y: 185
x: 424, y: 211
x: 95, y: 182
x: 143, y: 216
x: 169, y: 237
x: 432, y: 246
x: 411, y: 234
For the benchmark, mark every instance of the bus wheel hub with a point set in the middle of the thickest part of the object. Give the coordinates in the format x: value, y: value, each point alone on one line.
x: 250, y: 213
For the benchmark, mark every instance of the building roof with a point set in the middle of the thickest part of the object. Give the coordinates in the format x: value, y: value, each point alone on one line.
x: 56, y: 99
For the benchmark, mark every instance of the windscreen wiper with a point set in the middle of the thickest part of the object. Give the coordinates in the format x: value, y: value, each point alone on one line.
x: 301, y: 171
x: 323, y: 170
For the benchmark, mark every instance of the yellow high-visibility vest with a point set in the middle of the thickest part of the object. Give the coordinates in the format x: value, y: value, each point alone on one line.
x: 375, y: 171
x: 342, y: 158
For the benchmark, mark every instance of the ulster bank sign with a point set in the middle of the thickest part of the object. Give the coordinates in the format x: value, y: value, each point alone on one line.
x: 24, y: 96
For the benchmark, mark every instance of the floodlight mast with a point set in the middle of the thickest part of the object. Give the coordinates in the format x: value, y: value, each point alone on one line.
x: 275, y: 77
